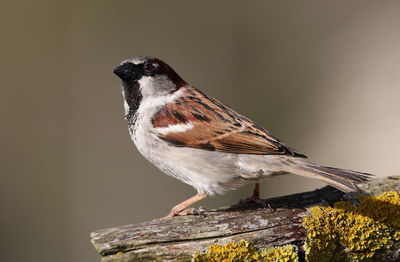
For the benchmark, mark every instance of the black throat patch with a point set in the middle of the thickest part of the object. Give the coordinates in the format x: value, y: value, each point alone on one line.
x: 133, y: 97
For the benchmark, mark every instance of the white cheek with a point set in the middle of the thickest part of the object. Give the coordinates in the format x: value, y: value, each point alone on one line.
x: 144, y: 82
x: 155, y: 86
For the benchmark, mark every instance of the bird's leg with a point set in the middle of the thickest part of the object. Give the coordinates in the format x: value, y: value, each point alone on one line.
x: 255, y: 197
x: 256, y: 191
x: 182, y: 208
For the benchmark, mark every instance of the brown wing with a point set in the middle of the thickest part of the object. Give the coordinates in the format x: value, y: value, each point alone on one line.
x: 216, y: 127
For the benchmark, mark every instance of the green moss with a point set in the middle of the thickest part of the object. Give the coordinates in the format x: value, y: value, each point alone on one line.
x: 244, y: 251
x: 353, y: 233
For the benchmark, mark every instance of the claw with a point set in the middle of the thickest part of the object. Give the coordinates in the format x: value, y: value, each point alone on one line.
x: 182, y: 208
x: 185, y: 212
x: 254, y: 198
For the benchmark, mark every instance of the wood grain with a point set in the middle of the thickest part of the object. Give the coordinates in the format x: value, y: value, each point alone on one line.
x: 177, y: 239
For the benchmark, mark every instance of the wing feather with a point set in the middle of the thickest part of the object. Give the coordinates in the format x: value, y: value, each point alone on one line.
x: 215, y: 127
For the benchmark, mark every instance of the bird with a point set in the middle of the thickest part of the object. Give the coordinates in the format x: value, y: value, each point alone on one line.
x: 202, y: 142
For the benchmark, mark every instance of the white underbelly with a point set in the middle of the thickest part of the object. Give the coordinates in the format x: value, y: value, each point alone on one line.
x: 209, y: 172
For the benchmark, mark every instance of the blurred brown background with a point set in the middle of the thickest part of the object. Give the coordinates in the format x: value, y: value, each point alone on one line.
x: 324, y: 76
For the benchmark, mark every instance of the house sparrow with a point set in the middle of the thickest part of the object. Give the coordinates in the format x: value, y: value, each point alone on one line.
x: 204, y: 143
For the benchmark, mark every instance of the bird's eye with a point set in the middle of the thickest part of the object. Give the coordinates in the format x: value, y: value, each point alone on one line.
x: 150, y: 67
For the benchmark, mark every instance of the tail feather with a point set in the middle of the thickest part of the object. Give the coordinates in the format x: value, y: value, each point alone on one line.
x: 342, y: 179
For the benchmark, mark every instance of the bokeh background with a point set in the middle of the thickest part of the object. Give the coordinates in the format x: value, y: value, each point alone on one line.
x: 324, y: 76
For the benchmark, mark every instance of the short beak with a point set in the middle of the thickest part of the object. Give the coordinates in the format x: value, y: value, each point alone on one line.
x: 127, y: 72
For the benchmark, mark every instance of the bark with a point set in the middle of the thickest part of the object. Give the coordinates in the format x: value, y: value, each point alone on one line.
x: 177, y: 239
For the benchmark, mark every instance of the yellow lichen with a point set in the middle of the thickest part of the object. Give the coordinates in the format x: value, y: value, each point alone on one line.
x: 246, y: 252
x: 349, y: 232
x: 286, y: 253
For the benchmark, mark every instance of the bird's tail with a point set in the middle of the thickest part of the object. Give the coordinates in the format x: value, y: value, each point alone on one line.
x: 342, y: 179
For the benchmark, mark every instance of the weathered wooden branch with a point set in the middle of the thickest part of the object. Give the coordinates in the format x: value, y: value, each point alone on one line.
x: 177, y: 239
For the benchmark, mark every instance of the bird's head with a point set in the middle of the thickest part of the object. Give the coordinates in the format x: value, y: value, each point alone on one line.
x: 145, y: 77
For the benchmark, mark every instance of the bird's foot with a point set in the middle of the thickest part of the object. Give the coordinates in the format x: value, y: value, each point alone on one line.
x: 182, y: 209
x: 253, y: 199
x: 185, y: 212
